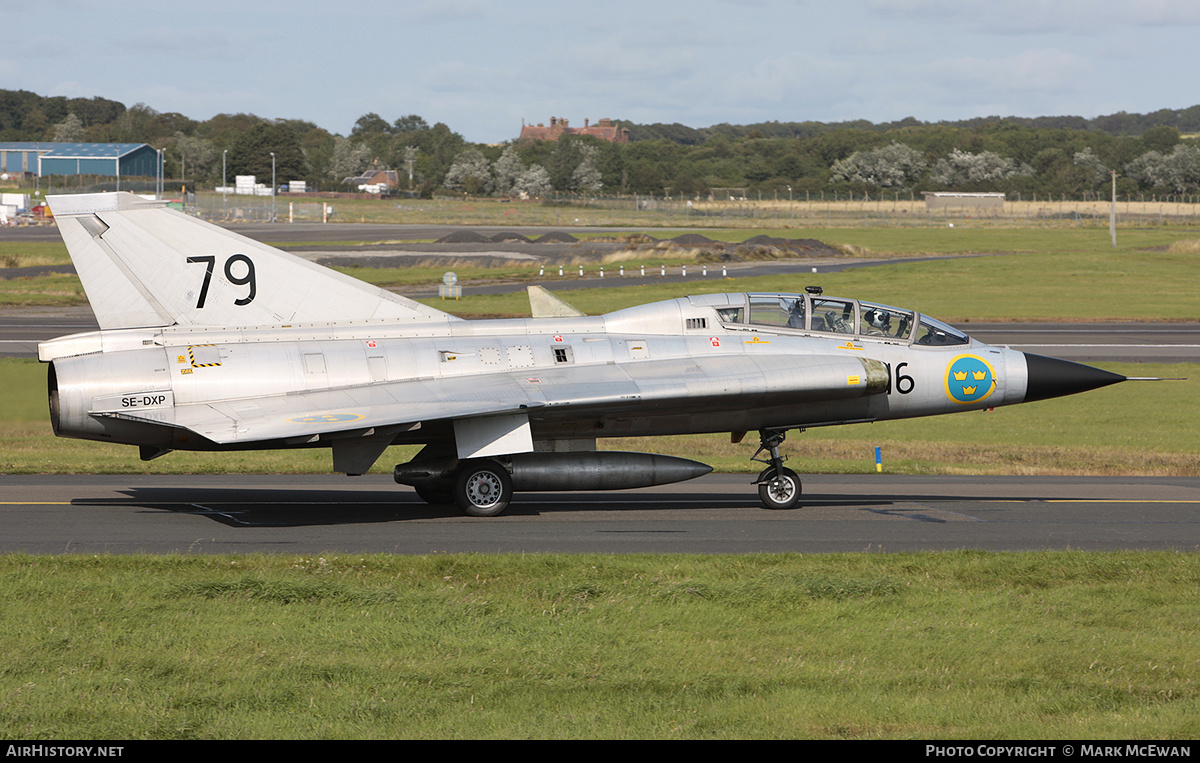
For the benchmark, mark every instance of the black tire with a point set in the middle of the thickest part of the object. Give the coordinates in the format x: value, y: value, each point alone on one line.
x: 483, y: 488
x: 436, y: 495
x: 782, y: 493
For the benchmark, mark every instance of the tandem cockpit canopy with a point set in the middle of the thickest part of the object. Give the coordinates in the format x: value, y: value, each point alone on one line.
x: 818, y: 314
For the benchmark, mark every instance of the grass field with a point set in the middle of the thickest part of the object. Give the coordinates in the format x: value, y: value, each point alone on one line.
x: 963, y: 645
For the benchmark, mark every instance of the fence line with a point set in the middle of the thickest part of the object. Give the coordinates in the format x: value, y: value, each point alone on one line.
x: 574, y: 210
x: 867, y: 212
x: 888, y: 210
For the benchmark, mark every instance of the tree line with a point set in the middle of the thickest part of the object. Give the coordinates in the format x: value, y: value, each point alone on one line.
x: 1156, y: 153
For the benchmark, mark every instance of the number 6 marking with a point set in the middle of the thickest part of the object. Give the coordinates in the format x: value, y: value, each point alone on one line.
x: 904, y: 383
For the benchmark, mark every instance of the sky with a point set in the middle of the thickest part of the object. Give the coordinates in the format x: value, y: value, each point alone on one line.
x: 483, y: 66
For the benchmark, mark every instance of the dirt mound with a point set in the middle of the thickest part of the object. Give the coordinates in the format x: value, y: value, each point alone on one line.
x: 762, y: 240
x: 812, y: 247
x: 693, y: 239
x: 808, y: 247
x: 464, y: 237
x: 555, y: 237
x: 504, y: 237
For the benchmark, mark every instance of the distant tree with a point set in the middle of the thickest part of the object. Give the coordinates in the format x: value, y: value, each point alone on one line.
x: 370, y: 124
x: 507, y: 169
x: 574, y: 164
x: 756, y: 169
x: 1095, y: 172
x: 471, y: 172
x: 437, y: 149
x: 96, y: 110
x: 250, y: 153
x: 134, y: 125
x: 349, y: 159
x: 562, y: 162
x: 317, y: 145
x: 1160, y: 138
x: 644, y: 178
x: 36, y: 123
x: 962, y: 168
x: 376, y: 132
x: 70, y: 130
x: 894, y: 166
x: 1177, y: 172
x: 586, y: 176
x: 197, y: 152
x: 223, y: 129
x: 410, y: 123
x: 533, y: 182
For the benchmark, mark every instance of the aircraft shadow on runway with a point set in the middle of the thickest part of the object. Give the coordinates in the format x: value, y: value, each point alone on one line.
x: 250, y: 507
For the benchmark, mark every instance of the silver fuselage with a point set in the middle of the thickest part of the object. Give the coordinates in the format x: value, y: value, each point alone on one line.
x: 688, y: 365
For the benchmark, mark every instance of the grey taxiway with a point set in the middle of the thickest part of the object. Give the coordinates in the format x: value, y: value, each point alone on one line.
x: 713, y: 514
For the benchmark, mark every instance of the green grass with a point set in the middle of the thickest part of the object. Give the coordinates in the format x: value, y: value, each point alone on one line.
x: 1069, y: 282
x: 30, y: 253
x: 961, y: 645
x: 1046, y: 274
x: 1122, y: 429
x: 59, y: 290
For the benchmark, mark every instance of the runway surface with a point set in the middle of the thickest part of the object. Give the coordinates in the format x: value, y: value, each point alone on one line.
x: 714, y: 514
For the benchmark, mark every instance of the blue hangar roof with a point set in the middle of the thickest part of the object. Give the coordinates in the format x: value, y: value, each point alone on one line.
x: 73, y: 150
x: 81, y: 158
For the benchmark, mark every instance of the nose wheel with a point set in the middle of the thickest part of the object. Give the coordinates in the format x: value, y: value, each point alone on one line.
x: 778, y: 486
x: 779, y: 490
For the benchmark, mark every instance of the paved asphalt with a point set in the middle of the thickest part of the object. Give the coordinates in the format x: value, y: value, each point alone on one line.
x: 713, y: 514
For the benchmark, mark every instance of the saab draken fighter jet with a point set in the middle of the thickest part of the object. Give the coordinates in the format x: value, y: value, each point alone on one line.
x: 212, y: 341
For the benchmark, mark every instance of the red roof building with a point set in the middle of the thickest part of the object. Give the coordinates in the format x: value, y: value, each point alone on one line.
x: 604, y: 130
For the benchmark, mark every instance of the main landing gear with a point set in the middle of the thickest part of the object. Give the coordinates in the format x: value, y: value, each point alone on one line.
x: 778, y: 486
x: 483, y: 488
x: 480, y: 487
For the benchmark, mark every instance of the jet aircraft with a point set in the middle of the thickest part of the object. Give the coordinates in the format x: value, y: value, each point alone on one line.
x: 209, y: 340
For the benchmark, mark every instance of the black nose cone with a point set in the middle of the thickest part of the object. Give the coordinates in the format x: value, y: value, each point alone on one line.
x: 1051, y: 377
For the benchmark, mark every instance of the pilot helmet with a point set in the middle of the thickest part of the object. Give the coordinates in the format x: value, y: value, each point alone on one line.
x: 877, y: 318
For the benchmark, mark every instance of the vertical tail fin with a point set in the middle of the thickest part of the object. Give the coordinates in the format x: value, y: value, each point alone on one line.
x: 145, y: 265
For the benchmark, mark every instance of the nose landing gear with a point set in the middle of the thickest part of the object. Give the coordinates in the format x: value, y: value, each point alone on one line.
x: 778, y: 486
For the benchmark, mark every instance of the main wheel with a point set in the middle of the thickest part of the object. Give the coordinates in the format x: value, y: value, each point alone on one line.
x: 782, y: 492
x: 483, y: 488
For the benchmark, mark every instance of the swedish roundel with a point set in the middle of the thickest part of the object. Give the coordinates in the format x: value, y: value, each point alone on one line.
x: 969, y: 379
x: 325, y: 418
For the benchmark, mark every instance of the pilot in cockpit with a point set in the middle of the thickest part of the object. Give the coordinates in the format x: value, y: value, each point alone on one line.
x: 877, y: 322
x: 796, y: 314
